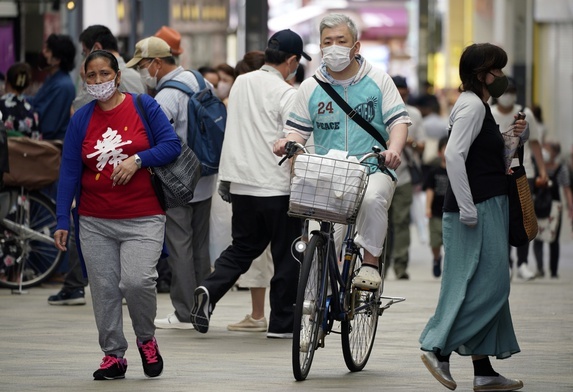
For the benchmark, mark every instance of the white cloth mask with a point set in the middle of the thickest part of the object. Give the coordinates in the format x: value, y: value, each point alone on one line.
x: 336, y: 57
x: 103, y: 91
x: 507, y: 100
x: 147, y: 79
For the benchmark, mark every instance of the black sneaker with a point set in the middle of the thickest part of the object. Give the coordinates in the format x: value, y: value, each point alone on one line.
x: 111, y: 368
x: 437, y: 270
x: 202, y: 309
x: 150, y: 358
x: 68, y: 297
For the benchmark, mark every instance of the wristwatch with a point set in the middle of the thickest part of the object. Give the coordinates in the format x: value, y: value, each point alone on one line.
x: 137, y: 161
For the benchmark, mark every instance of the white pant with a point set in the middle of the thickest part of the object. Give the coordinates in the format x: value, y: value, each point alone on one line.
x: 372, y: 219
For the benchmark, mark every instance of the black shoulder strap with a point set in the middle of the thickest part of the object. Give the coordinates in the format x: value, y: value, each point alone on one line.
x: 351, y: 112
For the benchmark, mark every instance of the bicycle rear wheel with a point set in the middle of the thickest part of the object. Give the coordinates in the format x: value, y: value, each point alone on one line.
x: 310, y: 307
x: 358, y: 333
x: 28, y: 255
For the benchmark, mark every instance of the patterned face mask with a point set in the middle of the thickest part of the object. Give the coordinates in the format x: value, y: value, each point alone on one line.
x: 103, y: 91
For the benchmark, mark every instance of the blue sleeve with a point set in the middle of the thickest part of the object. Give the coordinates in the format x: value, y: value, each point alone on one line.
x: 72, y: 165
x: 165, y: 144
x: 53, y: 102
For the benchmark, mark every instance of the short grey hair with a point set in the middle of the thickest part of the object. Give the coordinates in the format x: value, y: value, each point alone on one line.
x: 334, y: 20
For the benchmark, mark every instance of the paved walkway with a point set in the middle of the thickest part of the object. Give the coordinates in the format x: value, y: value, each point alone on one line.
x: 52, y: 348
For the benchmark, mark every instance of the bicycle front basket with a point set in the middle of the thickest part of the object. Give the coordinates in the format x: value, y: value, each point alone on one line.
x: 327, y: 189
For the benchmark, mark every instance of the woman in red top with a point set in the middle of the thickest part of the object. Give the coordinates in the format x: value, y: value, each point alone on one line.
x: 121, y: 224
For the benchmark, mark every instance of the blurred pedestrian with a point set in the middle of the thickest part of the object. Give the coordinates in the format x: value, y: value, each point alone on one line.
x: 54, y: 98
x: 435, y: 184
x: 504, y: 112
x: 18, y: 113
x: 559, y: 179
x: 226, y: 80
x: 409, y: 186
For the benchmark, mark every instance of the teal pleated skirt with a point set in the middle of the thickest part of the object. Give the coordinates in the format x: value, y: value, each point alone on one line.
x: 473, y: 316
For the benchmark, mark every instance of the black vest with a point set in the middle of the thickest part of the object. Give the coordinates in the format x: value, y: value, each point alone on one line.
x: 485, y: 165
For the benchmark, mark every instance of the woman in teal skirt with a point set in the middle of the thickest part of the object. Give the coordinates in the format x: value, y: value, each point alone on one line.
x: 472, y: 317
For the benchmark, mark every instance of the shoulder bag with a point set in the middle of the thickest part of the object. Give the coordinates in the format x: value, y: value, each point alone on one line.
x: 356, y: 117
x: 175, y: 182
x: 351, y: 112
x: 522, y: 219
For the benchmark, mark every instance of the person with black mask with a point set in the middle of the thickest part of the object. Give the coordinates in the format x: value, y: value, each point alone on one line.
x: 473, y: 317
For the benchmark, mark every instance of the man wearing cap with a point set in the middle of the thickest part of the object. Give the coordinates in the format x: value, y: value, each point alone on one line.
x: 187, y: 227
x: 371, y: 93
x: 257, y: 187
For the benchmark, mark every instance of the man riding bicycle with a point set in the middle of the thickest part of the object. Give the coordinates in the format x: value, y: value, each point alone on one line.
x: 371, y: 93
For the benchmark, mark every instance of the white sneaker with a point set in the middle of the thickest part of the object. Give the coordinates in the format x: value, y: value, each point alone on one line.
x: 171, y: 322
x: 524, y: 273
x: 367, y: 278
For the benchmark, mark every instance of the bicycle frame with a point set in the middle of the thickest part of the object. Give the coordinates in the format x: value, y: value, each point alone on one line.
x: 337, y: 308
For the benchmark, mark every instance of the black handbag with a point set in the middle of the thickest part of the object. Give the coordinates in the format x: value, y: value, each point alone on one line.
x: 174, y: 183
x: 522, y: 220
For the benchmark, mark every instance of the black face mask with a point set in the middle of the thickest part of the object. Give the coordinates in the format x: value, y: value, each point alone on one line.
x: 42, y: 62
x: 498, y: 86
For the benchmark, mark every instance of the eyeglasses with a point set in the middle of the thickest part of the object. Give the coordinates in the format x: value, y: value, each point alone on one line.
x: 140, y: 66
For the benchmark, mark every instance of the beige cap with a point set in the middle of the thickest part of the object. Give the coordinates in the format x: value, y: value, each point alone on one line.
x: 149, y: 48
x: 172, y: 37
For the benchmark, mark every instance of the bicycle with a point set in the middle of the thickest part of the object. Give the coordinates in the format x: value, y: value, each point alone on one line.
x: 325, y: 291
x: 27, y: 225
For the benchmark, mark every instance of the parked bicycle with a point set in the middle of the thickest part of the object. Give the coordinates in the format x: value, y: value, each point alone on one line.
x: 330, y: 192
x: 27, y: 216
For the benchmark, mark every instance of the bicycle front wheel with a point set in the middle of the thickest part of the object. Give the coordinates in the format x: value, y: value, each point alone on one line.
x: 29, y: 256
x: 310, y: 307
x: 359, y: 331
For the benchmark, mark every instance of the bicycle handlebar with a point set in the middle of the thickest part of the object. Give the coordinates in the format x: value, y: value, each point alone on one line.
x: 291, y: 148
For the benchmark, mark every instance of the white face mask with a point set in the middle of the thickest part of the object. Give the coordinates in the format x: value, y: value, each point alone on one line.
x: 103, y: 91
x: 507, y: 100
x: 336, y: 57
x: 291, y: 75
x: 147, y: 79
x: 546, y: 155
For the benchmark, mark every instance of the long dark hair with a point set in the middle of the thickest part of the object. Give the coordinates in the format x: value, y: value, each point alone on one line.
x: 476, y: 60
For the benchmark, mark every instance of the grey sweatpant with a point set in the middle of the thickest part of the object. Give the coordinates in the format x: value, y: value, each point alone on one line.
x: 120, y: 257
